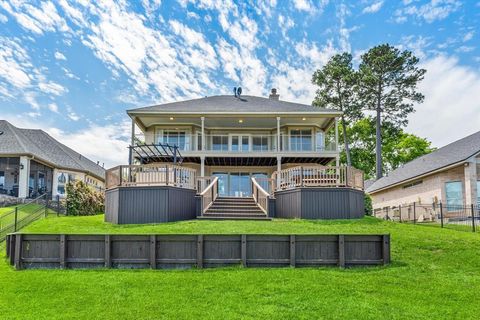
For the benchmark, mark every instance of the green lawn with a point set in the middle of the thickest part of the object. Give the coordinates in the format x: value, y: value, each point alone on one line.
x: 435, y: 274
x: 7, y: 217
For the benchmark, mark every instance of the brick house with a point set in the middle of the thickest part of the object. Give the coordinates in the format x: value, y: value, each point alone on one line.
x: 450, y: 175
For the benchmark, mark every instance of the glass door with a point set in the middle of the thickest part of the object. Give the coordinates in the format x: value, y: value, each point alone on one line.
x: 239, y: 142
x: 240, y: 184
x: 223, y: 189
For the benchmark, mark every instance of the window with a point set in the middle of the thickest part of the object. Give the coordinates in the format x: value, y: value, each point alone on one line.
x: 301, y: 140
x: 454, y: 193
x: 478, y: 191
x: 62, y: 179
x: 2, y: 179
x: 220, y: 143
x: 320, y: 143
x: 260, y: 143
x: 177, y: 138
x: 412, y: 184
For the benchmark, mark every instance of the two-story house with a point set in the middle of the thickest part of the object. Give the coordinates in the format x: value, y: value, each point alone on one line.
x: 238, y: 141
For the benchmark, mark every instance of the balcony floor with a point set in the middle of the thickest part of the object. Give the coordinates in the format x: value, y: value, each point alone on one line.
x: 246, y: 160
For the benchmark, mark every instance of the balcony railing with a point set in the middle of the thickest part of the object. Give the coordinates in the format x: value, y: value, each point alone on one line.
x: 244, y: 142
x: 318, y: 176
x: 151, y: 175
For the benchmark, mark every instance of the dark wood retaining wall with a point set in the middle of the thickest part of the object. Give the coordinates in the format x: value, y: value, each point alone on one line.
x: 320, y: 203
x: 28, y: 251
x: 150, y: 204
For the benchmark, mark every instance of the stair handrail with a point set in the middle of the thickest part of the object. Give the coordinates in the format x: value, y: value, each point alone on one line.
x: 209, y: 195
x: 260, y: 196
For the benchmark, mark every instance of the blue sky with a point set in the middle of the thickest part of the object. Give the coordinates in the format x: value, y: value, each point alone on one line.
x: 73, y: 68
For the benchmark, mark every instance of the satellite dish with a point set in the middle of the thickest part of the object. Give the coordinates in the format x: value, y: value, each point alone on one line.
x: 239, y: 91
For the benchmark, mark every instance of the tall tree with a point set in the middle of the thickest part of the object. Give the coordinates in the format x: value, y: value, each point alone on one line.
x: 399, y: 147
x: 336, y: 82
x: 388, y: 81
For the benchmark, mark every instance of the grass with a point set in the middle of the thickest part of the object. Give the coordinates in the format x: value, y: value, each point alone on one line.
x: 7, y: 215
x: 435, y: 274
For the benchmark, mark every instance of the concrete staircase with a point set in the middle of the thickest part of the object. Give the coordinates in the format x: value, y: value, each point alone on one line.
x: 234, y: 208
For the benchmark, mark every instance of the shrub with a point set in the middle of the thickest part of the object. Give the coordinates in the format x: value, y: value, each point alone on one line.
x: 83, y: 200
x: 368, y: 205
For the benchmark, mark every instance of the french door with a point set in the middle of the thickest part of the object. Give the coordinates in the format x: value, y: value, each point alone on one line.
x: 237, y: 184
x: 239, y: 142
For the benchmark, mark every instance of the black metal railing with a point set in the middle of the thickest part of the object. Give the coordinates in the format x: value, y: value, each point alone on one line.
x: 461, y: 217
x: 33, y: 209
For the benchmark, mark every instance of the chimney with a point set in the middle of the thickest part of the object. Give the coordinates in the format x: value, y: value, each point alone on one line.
x: 273, y: 95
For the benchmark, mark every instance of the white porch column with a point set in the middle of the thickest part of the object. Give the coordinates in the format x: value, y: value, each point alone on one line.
x: 203, y: 134
x: 470, y: 171
x: 132, y: 142
x: 202, y: 166
x: 279, y: 167
x: 278, y: 134
x: 337, y: 158
x: 24, y: 172
x: 54, y: 183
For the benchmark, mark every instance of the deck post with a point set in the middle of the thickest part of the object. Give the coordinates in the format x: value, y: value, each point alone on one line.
x: 203, y: 133
x: 132, y: 143
x: 341, y: 251
x: 244, y: 250
x: 18, y: 251
x: 337, y: 158
x: 386, y: 249
x: 279, y: 168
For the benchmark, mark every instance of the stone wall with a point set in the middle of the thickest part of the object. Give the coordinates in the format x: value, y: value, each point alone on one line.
x: 6, y: 201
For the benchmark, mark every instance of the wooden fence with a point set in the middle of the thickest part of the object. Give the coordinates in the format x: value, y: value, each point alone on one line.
x: 49, y: 251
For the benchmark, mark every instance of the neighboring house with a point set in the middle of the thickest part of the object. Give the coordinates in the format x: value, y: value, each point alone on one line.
x: 238, y: 141
x: 450, y: 175
x: 33, y: 163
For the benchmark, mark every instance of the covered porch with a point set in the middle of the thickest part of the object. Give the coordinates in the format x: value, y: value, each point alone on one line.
x: 24, y: 177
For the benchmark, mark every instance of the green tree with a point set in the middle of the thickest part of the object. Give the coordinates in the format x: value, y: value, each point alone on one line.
x: 336, y: 82
x: 387, y: 84
x: 399, y: 147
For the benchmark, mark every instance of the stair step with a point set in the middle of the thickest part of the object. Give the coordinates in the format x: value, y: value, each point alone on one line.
x: 264, y: 218
x: 254, y: 210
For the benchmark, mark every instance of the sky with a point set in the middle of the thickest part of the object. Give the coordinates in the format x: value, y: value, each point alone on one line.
x: 72, y: 68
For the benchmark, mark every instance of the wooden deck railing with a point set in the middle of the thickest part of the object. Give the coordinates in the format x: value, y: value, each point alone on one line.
x: 203, y: 182
x: 209, y: 195
x: 260, y: 195
x: 318, y: 176
x: 151, y: 175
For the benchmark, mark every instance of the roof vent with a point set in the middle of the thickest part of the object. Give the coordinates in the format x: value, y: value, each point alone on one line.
x: 273, y: 95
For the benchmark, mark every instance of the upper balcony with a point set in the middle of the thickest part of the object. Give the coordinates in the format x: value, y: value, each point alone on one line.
x: 297, y: 141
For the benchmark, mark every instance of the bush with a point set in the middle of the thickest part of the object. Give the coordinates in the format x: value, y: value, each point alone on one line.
x: 368, y: 205
x: 83, y: 200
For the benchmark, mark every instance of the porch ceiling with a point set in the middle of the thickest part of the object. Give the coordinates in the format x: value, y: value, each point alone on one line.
x: 252, y: 161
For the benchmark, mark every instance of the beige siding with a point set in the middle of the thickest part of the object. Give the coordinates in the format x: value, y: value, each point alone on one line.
x: 432, y: 189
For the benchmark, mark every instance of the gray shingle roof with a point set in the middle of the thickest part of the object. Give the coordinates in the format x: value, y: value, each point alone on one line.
x: 455, y: 152
x: 229, y: 103
x: 16, y: 141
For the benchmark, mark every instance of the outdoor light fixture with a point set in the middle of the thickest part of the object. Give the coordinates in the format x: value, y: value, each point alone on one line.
x: 171, y: 118
x: 304, y: 119
x: 21, y: 166
x: 240, y: 121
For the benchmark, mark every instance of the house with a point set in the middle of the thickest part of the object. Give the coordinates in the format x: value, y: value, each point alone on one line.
x: 244, y: 150
x: 33, y: 163
x: 450, y: 175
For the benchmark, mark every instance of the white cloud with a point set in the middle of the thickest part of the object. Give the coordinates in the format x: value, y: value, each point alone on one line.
x: 303, y: 5
x: 3, y: 18
x: 53, y: 107
x: 468, y: 36
x: 434, y: 10
x: 374, y: 7
x: 51, y: 87
x: 59, y: 56
x: 285, y: 24
x: 36, y: 19
x: 451, y: 95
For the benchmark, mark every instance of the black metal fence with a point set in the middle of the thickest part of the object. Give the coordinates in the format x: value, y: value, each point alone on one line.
x: 461, y: 217
x: 22, y: 215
